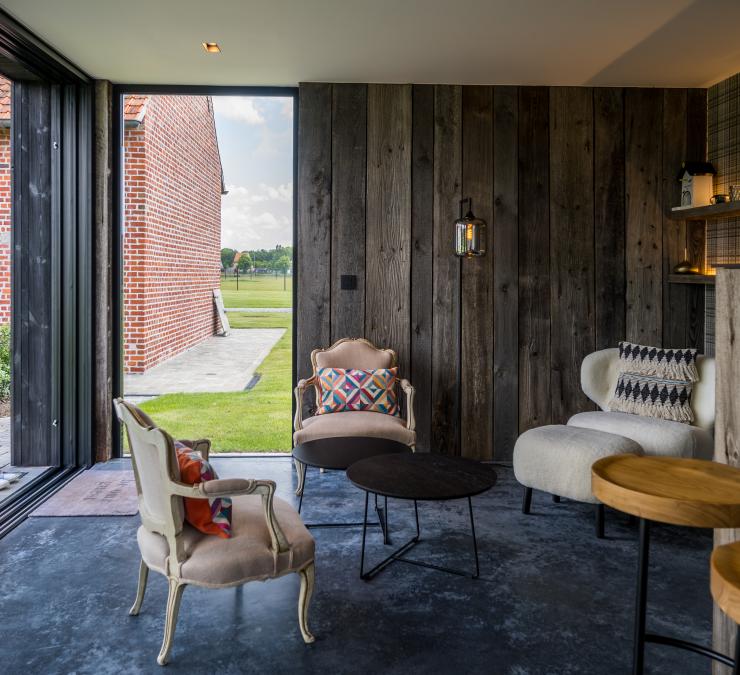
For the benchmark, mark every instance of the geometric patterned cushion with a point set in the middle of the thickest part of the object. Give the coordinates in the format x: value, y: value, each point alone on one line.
x: 672, y: 364
x: 212, y: 515
x: 653, y: 397
x: 343, y: 389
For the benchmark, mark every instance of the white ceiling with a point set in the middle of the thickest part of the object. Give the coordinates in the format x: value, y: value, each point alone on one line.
x: 283, y: 42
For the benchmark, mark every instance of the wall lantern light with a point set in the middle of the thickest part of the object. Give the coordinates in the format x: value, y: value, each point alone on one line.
x: 470, y: 233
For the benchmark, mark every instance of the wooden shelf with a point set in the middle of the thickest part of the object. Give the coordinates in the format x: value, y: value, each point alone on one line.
x: 727, y: 210
x: 705, y: 279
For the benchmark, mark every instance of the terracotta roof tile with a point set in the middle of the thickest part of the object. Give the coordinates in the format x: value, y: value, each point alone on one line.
x: 4, y: 98
x: 134, y: 108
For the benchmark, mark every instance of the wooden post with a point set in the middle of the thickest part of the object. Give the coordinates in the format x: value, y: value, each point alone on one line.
x: 103, y: 375
x: 727, y: 424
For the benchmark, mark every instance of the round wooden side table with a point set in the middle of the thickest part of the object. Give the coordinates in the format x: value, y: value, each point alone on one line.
x: 690, y: 492
x: 725, y: 585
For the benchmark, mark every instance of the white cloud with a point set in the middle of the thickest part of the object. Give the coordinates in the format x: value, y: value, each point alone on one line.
x: 259, y: 216
x: 239, y: 108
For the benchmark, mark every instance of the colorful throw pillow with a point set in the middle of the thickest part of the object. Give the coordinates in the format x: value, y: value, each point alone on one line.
x: 212, y: 515
x: 655, y: 382
x: 343, y: 389
x: 672, y: 364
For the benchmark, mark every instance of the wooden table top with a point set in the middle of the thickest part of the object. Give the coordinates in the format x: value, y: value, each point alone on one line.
x: 725, y: 579
x: 423, y: 476
x: 692, y: 492
x: 343, y: 451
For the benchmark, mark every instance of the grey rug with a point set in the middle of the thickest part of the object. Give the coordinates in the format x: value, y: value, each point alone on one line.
x: 94, y: 493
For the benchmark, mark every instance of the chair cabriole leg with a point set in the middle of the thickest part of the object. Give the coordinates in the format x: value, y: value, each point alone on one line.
x: 300, y: 469
x: 304, y: 600
x: 170, y: 622
x: 143, y: 576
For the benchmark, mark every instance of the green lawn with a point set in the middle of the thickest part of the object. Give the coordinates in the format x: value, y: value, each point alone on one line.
x: 264, y: 290
x: 258, y: 420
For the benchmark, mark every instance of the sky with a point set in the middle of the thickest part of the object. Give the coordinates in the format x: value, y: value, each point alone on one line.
x: 255, y: 139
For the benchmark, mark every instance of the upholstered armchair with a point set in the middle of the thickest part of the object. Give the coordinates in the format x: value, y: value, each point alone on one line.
x: 268, y: 538
x: 360, y: 354
x: 599, y: 373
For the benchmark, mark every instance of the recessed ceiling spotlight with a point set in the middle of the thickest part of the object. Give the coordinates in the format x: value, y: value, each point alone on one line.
x: 212, y: 47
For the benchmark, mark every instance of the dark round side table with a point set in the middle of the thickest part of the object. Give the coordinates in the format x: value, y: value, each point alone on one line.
x: 340, y: 453
x: 688, y: 492
x: 420, y: 477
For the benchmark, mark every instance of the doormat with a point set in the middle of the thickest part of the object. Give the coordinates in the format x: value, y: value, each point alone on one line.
x: 94, y: 493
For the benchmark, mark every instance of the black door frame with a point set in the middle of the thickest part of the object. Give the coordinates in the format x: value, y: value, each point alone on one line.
x: 119, y: 92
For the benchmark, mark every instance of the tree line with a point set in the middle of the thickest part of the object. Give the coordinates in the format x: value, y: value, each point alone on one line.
x: 278, y: 259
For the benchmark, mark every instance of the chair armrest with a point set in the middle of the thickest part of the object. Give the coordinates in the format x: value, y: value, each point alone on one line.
x: 299, y: 391
x: 202, y: 445
x: 409, y: 391
x: 235, y: 487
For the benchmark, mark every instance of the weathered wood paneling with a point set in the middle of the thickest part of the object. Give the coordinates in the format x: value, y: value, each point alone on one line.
x: 446, y: 286
x: 388, y: 260
x: 314, y: 224
x: 348, y: 157
x: 727, y: 424
x: 609, y: 253
x: 534, y: 258
x: 476, y: 364
x: 643, y: 172
x: 571, y: 245
x: 675, y: 296
x: 505, y: 254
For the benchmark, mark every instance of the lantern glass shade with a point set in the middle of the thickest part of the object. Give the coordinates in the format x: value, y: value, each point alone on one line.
x: 470, y: 236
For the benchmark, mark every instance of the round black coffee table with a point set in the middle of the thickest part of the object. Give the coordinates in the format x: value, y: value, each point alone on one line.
x: 420, y: 477
x: 341, y: 453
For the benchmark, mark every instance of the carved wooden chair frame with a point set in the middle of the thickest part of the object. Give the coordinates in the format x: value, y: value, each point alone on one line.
x: 171, y: 527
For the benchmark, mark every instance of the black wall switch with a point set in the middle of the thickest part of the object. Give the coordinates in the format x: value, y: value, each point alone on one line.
x: 348, y: 282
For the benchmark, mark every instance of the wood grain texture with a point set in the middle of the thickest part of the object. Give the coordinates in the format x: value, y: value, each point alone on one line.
x: 727, y: 423
x: 446, y: 284
x: 104, y: 210
x: 314, y: 225
x: 348, y: 158
x: 673, y: 490
x: 422, y: 221
x: 643, y: 172
x: 505, y: 254
x: 476, y: 356
x: 609, y: 217
x: 675, y: 296
x: 571, y: 246
x: 534, y: 258
x: 388, y: 260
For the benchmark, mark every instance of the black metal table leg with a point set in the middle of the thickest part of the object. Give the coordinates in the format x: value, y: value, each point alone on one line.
x: 643, y: 561
x: 736, y: 669
x: 475, y: 540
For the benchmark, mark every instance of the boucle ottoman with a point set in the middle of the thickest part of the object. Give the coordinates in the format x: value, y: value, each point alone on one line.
x: 558, y: 458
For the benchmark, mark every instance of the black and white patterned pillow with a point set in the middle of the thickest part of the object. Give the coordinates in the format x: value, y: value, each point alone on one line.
x: 655, y: 382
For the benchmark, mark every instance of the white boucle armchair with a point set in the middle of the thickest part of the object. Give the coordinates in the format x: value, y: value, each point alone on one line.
x: 599, y: 373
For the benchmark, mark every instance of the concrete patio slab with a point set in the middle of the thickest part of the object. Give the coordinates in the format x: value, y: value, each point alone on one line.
x: 217, y: 364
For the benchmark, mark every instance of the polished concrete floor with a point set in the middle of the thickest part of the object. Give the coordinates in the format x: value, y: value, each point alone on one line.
x: 551, y: 597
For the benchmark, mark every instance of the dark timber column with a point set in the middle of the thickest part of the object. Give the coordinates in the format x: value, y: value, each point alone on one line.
x: 34, y: 367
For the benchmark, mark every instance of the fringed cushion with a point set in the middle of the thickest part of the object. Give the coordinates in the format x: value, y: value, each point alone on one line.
x: 653, y: 397
x: 670, y: 364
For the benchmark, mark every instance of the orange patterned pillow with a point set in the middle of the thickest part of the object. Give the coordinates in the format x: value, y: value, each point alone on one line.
x: 212, y: 515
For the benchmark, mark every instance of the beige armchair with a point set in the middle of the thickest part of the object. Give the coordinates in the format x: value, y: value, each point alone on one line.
x: 268, y: 539
x: 352, y: 353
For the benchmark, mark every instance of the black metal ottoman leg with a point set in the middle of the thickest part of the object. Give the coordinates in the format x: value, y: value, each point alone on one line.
x: 556, y: 499
x: 638, y: 662
x: 527, y: 500
x: 736, y: 669
x: 599, y: 513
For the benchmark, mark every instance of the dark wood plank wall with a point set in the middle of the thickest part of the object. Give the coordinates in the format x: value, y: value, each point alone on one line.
x: 574, y: 184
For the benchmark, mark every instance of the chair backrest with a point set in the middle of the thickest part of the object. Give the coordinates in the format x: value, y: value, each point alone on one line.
x: 353, y: 353
x: 155, y: 465
x: 600, y: 371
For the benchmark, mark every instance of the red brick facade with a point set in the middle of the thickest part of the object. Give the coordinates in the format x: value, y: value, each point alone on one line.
x: 172, y: 241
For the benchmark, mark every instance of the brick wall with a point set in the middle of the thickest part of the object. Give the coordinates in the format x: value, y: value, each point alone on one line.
x: 172, y: 242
